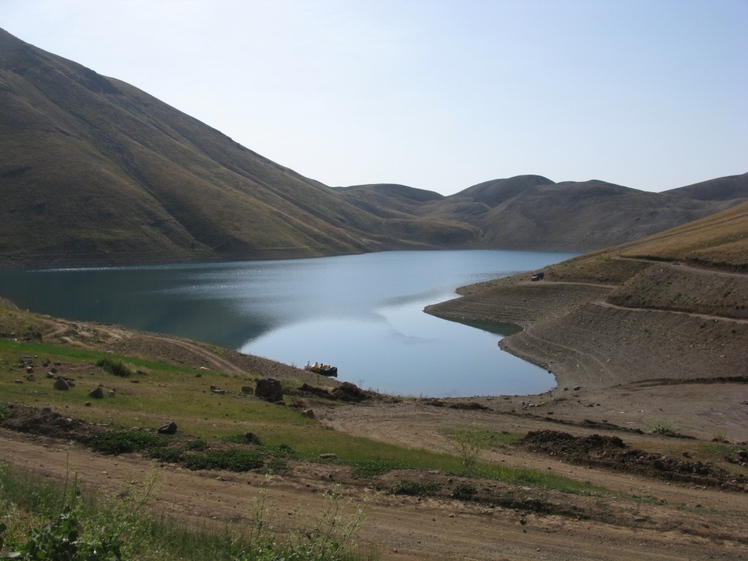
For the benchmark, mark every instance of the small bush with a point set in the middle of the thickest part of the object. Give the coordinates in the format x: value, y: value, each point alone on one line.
x: 244, y: 438
x: 167, y: 454
x: 662, y: 426
x: 116, y: 367
x: 124, y: 442
x: 198, y: 445
x: 464, y: 491
x: 371, y: 468
x: 231, y: 460
x: 416, y: 489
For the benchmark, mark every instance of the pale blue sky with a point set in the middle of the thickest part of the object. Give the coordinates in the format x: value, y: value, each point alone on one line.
x: 435, y: 94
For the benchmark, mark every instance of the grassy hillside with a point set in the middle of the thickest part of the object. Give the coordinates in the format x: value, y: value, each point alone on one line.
x: 95, y: 170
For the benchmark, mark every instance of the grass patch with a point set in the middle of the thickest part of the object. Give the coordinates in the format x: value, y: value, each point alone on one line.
x: 233, y: 459
x: 57, y: 521
x: 416, y: 488
x: 125, y: 442
x: 114, y: 366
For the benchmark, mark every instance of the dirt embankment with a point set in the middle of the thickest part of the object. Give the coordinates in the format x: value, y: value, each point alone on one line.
x: 668, y: 342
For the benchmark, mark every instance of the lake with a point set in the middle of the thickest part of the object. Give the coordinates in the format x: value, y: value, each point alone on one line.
x: 361, y: 313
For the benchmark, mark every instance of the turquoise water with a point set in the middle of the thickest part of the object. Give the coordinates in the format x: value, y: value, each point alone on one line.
x: 362, y: 313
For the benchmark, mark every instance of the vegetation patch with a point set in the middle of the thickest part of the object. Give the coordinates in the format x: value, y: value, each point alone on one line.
x: 116, y: 367
x: 232, y: 459
x: 124, y: 442
x: 417, y: 488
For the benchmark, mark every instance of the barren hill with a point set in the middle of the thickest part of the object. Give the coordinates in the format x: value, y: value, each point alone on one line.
x: 533, y: 212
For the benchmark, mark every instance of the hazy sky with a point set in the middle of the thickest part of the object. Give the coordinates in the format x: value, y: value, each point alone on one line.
x: 435, y: 94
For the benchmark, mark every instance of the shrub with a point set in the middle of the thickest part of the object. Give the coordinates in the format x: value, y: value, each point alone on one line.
x: 371, y: 468
x: 464, y: 491
x: 662, y: 426
x: 469, y: 444
x: 124, y: 442
x: 416, y: 488
x: 116, y: 367
x: 231, y: 460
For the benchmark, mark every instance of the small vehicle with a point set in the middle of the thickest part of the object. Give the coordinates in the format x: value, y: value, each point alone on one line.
x: 537, y: 276
x: 324, y: 369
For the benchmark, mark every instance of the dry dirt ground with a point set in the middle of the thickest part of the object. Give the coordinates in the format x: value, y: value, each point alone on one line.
x: 654, y: 510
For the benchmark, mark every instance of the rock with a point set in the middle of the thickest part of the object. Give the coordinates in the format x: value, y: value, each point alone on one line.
x: 349, y: 392
x: 112, y: 393
x: 269, y: 389
x: 50, y: 375
x: 168, y: 427
x: 61, y: 384
x: 31, y: 378
x: 328, y: 456
x: 308, y: 413
x: 98, y: 393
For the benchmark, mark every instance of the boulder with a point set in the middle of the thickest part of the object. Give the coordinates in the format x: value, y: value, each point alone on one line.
x: 168, y: 427
x: 269, y: 389
x: 98, y: 393
x: 61, y: 384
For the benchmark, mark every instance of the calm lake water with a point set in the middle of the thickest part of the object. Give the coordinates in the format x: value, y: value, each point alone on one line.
x: 362, y: 313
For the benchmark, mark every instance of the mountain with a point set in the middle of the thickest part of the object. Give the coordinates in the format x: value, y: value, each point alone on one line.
x: 95, y: 171
x: 533, y: 212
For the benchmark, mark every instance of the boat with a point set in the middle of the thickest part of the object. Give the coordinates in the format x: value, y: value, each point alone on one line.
x: 324, y: 369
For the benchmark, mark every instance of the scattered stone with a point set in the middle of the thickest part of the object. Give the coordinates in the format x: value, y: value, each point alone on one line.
x: 31, y: 378
x: 88, y: 404
x: 112, y: 393
x: 61, y: 384
x: 269, y: 389
x: 18, y: 381
x: 98, y: 393
x: 168, y: 427
x: 328, y: 456
x: 308, y: 413
x: 249, y: 390
x: 50, y: 375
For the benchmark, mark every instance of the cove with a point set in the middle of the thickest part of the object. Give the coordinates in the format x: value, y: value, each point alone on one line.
x: 361, y: 313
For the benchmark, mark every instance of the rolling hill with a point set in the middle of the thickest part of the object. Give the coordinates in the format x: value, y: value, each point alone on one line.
x: 533, y: 212
x: 95, y: 171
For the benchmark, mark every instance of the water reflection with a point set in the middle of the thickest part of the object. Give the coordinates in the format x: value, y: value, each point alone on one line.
x: 362, y: 313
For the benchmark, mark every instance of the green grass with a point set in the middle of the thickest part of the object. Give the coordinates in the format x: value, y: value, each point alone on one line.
x: 50, y: 521
x: 172, y: 392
